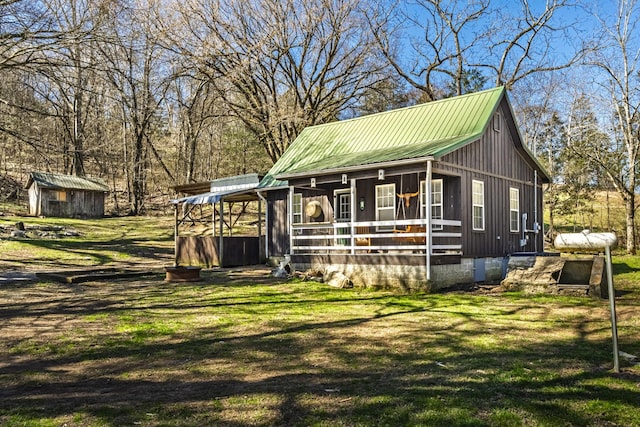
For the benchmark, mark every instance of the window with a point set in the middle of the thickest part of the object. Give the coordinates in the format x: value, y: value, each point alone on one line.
x: 436, y: 201
x: 385, y: 204
x: 514, y: 210
x: 60, y: 196
x: 478, y: 205
x: 497, y: 123
x: 297, y: 208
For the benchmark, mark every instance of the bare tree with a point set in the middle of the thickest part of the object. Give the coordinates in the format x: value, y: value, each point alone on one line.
x: 139, y: 75
x: 279, y: 65
x: 52, y: 46
x: 68, y: 72
x: 459, y: 39
x: 25, y: 29
x: 524, y: 42
x: 440, y: 54
x: 619, y: 62
x: 197, y: 106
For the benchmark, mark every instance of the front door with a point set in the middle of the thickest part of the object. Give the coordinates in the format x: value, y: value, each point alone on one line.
x: 343, y: 205
x: 342, y: 210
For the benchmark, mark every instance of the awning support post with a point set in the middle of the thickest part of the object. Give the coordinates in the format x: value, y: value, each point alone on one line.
x: 612, y: 306
x: 221, y: 236
x: 175, y: 235
x: 213, y: 220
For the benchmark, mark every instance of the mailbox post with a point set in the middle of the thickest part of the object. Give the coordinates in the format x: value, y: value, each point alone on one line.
x: 596, y: 242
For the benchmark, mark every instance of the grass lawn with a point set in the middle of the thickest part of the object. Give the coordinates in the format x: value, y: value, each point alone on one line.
x: 232, y: 351
x: 118, y: 240
x: 238, y: 349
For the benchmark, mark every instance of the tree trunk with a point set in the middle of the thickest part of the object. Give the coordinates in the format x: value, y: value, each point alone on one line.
x: 138, y: 175
x: 630, y: 205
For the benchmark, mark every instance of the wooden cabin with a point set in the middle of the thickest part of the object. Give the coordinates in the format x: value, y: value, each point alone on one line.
x: 420, y: 197
x: 67, y: 196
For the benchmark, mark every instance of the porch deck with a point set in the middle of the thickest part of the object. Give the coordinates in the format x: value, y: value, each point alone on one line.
x: 407, y: 237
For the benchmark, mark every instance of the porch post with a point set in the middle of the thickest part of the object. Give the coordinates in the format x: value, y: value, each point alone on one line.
x: 221, y: 236
x: 352, y: 214
x: 175, y: 235
x: 266, y: 225
x: 290, y: 215
x: 427, y: 216
x: 260, y: 258
x: 213, y: 220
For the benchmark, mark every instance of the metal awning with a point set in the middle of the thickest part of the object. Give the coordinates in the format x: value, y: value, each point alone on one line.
x: 237, y: 194
x: 238, y: 188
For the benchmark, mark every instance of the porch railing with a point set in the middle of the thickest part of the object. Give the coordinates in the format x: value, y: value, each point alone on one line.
x: 377, y: 236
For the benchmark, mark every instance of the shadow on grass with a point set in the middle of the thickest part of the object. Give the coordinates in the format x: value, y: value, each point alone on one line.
x: 100, y: 252
x: 619, y: 266
x: 298, y: 354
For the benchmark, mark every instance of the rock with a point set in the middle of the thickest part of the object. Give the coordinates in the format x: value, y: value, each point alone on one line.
x: 19, y: 226
x: 18, y: 233
x: 337, y: 279
x: 312, y: 275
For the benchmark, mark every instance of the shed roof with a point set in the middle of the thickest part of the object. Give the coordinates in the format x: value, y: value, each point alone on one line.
x: 236, y: 182
x: 422, y: 131
x: 66, y: 182
x: 232, y: 188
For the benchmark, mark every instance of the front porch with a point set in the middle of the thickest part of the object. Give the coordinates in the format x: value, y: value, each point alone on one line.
x: 402, y: 215
x: 407, y: 237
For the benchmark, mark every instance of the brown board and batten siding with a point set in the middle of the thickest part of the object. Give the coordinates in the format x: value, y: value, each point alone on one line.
x: 278, y: 222
x: 495, y: 160
x: 458, y: 139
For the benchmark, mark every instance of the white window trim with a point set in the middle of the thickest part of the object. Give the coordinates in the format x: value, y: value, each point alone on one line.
x: 514, y: 191
x: 297, y: 202
x: 423, y: 201
x: 475, y: 205
x: 336, y: 201
x: 391, y: 208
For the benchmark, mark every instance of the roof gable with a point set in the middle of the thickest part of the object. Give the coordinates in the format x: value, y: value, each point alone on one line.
x: 66, y: 182
x: 426, y: 130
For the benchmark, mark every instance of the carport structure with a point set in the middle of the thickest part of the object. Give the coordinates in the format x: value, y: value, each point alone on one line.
x: 218, y: 246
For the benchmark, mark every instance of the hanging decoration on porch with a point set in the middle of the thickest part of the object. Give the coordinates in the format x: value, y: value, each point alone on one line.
x: 405, y: 200
x: 407, y: 197
x: 313, y: 209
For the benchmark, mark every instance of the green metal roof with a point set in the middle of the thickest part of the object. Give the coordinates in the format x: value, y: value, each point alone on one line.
x: 67, y: 182
x: 426, y: 130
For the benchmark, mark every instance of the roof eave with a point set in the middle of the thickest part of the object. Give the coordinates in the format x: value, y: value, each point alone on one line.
x: 355, y: 168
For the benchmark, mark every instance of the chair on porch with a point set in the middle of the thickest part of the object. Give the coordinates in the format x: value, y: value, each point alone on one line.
x: 362, y: 241
x: 410, y: 239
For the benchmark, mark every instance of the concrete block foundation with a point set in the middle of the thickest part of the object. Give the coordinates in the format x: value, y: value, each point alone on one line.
x: 412, y: 277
